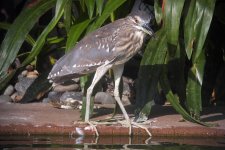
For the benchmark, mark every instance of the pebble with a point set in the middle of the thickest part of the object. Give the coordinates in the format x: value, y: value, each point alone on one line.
x: 16, y: 97
x: 77, y: 80
x: 73, y: 95
x: 9, y: 90
x: 24, y: 73
x: 71, y: 100
x: 23, y: 84
x: 54, y: 96
x: 5, y: 99
x: 104, y: 98
x: 46, y: 100
x: 29, y: 67
x: 63, y: 88
x: 32, y: 75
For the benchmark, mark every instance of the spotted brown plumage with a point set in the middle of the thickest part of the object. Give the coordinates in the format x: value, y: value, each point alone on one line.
x: 108, y: 47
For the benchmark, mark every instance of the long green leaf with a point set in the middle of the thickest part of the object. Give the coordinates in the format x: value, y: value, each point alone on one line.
x: 194, y: 86
x: 6, y: 26
x: 75, y: 32
x: 90, y: 7
x: 60, y: 5
x: 18, y: 31
x: 110, y: 6
x: 149, y: 73
x: 173, y: 9
x: 67, y: 15
x: 196, y: 25
x: 99, y: 4
x: 158, y: 12
x: 5, y: 78
x: 174, y: 101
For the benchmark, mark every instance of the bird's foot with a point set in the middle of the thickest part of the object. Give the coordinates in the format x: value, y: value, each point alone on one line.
x: 140, y: 125
x: 92, y: 126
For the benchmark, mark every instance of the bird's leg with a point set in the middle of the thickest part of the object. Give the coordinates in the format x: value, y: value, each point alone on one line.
x: 98, y: 75
x: 118, y: 71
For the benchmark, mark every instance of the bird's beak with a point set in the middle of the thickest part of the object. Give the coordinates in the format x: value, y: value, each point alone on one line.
x: 148, y: 30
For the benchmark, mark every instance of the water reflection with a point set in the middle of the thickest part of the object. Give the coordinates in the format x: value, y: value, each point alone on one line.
x: 109, y: 142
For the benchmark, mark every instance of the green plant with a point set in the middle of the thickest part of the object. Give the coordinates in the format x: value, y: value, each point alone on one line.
x: 175, y: 59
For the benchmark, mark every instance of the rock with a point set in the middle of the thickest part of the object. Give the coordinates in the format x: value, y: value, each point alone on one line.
x: 29, y: 67
x: 63, y: 88
x: 71, y: 100
x: 5, y: 99
x: 16, y: 97
x: 23, y: 84
x: 54, y: 96
x: 104, y: 98
x: 32, y: 75
x: 128, y: 91
x: 24, y: 73
x: 9, y: 90
x: 73, y: 95
x: 77, y: 80
x: 36, y: 72
x: 46, y: 100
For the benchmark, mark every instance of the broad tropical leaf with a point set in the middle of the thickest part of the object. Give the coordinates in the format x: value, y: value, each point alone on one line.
x: 194, y: 86
x: 174, y: 101
x: 172, y: 15
x: 158, y: 12
x: 196, y: 26
x: 149, y: 73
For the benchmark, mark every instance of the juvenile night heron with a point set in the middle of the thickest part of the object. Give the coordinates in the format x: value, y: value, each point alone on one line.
x: 108, y: 47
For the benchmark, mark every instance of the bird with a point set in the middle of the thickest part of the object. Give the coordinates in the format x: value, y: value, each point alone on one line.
x: 108, y: 47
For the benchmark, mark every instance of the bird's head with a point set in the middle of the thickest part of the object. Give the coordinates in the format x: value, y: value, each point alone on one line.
x: 141, y: 20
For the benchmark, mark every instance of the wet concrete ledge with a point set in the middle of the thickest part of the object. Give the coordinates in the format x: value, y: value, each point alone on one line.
x: 43, y: 119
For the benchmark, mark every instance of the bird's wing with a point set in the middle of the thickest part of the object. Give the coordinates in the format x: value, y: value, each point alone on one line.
x: 95, y: 50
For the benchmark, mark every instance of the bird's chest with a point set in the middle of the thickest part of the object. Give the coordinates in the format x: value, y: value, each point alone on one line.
x: 128, y: 45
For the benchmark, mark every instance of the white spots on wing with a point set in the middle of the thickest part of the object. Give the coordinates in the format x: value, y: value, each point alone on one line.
x: 99, y: 46
x: 103, y: 46
x: 113, y: 49
x: 81, y: 47
x: 107, y: 61
x: 107, y: 48
x: 86, y: 45
x: 96, y: 35
x: 99, y: 63
x: 87, y: 65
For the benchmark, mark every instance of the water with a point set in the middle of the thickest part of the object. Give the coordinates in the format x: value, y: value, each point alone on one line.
x: 116, y: 142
